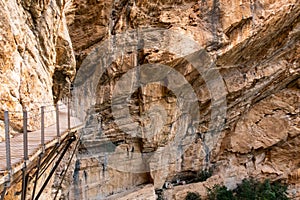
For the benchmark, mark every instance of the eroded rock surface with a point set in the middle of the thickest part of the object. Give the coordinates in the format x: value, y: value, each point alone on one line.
x: 255, y: 46
x: 36, y: 59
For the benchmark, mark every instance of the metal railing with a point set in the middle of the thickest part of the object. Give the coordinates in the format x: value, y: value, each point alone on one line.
x: 40, y: 145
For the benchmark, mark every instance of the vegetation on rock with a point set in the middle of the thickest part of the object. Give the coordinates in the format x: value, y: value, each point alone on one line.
x: 193, y: 196
x: 250, y: 189
x: 220, y: 193
x: 204, y: 175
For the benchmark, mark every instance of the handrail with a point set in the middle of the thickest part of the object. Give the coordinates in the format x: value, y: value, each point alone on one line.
x: 41, y: 146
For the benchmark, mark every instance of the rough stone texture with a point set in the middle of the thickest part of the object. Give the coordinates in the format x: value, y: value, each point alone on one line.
x: 140, y: 193
x: 270, y: 121
x: 255, y: 45
x: 36, y: 59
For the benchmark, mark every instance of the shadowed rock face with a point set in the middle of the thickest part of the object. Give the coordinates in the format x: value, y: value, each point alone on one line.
x: 255, y: 46
x: 36, y: 58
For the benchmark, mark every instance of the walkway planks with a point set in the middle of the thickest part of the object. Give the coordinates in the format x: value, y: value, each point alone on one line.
x: 34, y: 143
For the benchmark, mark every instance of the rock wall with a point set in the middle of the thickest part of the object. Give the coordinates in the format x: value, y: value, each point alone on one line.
x: 255, y: 48
x: 36, y: 59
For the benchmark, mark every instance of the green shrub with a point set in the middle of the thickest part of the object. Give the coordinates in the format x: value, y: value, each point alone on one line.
x: 220, y: 193
x: 204, y: 175
x: 193, y: 196
x: 250, y: 189
x: 246, y: 190
x: 280, y: 190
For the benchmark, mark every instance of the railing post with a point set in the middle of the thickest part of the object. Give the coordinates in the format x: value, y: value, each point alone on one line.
x: 57, y: 123
x: 25, y: 138
x: 69, y: 115
x: 43, y: 128
x: 7, y: 146
x: 25, y: 146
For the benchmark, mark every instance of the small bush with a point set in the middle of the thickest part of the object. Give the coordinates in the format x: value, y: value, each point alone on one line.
x: 280, y: 190
x: 193, y: 196
x: 204, y: 175
x: 246, y: 190
x: 220, y: 193
x: 250, y: 189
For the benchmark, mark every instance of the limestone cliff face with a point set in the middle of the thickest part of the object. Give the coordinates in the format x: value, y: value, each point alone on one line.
x: 255, y: 47
x: 36, y: 59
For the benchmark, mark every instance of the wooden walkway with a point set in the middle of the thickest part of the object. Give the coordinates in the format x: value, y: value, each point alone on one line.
x: 34, y: 144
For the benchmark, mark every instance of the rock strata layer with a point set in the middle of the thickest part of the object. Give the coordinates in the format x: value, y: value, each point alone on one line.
x: 36, y: 59
x: 252, y: 48
x: 255, y: 48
